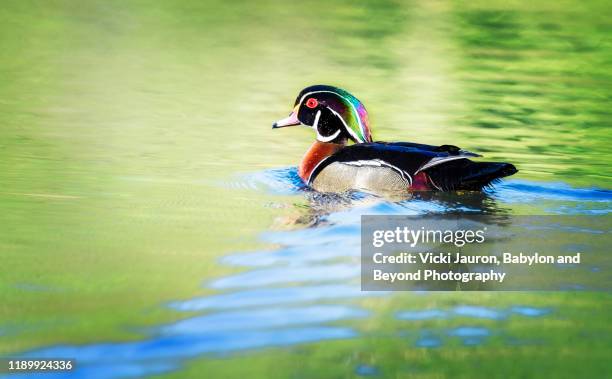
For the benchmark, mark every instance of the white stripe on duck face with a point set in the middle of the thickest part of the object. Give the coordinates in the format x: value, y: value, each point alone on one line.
x: 320, y: 137
x: 328, y: 138
x: 316, y: 120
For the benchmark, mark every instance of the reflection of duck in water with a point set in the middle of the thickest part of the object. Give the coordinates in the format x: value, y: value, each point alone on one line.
x: 319, y: 205
x: 378, y: 167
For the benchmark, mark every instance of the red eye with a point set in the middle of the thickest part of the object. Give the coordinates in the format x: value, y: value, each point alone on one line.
x: 312, y: 102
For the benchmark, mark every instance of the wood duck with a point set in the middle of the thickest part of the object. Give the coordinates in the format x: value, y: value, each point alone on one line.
x: 330, y: 165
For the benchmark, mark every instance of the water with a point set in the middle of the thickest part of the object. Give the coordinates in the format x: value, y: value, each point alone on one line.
x: 154, y: 223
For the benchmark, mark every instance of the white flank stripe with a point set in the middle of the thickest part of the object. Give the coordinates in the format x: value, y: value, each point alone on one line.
x: 439, y: 160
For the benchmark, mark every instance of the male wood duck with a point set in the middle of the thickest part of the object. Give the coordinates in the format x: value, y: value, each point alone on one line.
x: 330, y: 165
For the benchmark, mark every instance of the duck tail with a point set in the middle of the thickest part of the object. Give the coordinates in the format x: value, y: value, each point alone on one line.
x: 464, y: 174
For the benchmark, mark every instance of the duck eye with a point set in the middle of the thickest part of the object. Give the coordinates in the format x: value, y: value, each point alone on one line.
x: 312, y: 102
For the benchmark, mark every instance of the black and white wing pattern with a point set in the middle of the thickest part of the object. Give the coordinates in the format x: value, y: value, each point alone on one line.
x: 405, y: 158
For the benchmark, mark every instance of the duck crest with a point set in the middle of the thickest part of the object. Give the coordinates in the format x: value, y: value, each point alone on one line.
x: 317, y: 152
x: 359, y: 124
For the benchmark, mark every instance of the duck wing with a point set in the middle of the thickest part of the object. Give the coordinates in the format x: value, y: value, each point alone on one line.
x: 450, y: 149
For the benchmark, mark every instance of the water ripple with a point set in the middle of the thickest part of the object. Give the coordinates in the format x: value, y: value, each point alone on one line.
x: 472, y: 311
x: 261, y: 318
x: 272, y: 296
x: 285, y: 275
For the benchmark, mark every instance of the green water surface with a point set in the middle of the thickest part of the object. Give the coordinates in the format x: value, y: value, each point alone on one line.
x: 126, y: 128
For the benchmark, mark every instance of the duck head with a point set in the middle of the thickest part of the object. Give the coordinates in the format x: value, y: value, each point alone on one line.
x: 333, y: 113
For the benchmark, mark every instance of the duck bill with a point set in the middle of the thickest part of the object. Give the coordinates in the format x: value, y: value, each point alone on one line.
x: 291, y: 120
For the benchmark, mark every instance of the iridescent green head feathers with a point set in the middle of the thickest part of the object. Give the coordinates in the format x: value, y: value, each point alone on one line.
x: 332, y: 112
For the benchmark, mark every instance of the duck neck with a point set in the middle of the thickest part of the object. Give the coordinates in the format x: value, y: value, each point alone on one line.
x: 315, y: 154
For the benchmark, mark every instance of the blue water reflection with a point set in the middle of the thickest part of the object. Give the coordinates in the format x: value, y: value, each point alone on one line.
x: 471, y: 311
x: 261, y: 318
x: 272, y: 296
